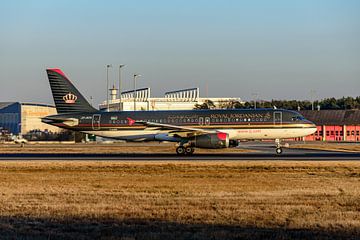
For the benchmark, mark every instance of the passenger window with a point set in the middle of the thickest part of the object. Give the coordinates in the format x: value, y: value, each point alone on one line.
x: 207, y: 121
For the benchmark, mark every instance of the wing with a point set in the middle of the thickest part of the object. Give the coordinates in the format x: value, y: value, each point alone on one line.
x: 174, y: 130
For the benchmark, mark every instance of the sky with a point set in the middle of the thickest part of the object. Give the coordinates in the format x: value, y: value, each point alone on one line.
x: 275, y: 49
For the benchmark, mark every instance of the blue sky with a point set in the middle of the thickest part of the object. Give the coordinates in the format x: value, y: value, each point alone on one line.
x: 278, y: 49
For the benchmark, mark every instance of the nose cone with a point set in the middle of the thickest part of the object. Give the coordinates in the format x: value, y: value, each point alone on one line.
x: 310, y: 123
x: 310, y: 126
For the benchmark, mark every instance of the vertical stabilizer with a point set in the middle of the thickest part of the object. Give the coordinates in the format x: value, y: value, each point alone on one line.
x: 66, y: 97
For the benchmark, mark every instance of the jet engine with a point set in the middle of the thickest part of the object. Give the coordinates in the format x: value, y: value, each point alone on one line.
x: 212, y: 140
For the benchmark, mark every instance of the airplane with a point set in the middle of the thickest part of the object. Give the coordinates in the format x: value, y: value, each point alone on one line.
x: 189, y: 129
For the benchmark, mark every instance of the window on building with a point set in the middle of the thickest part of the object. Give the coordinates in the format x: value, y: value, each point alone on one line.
x: 332, y: 133
x: 353, y: 133
x: 347, y: 133
x: 337, y: 133
x: 357, y: 133
x: 327, y: 133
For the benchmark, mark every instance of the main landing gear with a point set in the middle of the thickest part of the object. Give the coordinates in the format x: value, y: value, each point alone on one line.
x: 182, y: 150
x: 278, y: 146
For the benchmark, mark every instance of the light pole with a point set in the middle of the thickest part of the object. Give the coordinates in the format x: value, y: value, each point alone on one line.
x: 135, y: 76
x: 312, y: 96
x: 255, y: 96
x: 120, y: 85
x: 107, y: 85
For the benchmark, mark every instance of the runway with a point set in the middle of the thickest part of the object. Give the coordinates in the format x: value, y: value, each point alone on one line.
x: 288, y: 154
x: 259, y: 151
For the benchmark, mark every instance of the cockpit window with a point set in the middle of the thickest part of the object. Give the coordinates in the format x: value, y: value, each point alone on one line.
x: 297, y: 118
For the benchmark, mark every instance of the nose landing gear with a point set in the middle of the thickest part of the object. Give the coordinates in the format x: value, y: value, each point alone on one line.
x: 278, y: 146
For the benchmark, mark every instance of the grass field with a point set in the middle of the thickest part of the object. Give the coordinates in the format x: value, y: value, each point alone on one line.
x: 179, y: 200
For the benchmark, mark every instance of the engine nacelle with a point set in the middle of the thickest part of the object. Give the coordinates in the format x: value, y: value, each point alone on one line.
x: 212, y: 140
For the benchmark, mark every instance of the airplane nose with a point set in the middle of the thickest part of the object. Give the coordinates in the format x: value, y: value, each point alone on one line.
x: 309, y: 122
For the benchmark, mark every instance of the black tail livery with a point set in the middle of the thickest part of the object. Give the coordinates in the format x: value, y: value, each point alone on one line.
x: 66, y: 97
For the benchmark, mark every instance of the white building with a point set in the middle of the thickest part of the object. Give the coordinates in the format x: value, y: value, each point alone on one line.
x: 184, y: 99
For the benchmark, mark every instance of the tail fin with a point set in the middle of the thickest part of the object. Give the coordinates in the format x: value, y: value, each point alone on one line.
x: 66, y: 97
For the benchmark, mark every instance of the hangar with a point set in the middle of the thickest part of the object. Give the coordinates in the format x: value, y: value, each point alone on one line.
x: 20, y: 118
x: 334, y: 125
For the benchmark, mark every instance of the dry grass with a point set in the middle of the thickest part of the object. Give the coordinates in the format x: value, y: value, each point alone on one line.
x: 341, y: 147
x: 179, y: 200
x: 109, y: 148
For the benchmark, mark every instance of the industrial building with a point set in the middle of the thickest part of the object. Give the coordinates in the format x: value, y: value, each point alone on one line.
x: 334, y: 125
x: 184, y: 99
x: 21, y: 118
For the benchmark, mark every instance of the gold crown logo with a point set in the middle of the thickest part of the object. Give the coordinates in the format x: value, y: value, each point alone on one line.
x: 69, y: 98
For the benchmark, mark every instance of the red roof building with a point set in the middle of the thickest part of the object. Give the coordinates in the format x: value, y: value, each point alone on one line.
x: 334, y: 125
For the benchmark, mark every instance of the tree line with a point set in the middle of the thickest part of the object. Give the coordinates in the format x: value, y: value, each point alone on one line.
x: 327, y: 103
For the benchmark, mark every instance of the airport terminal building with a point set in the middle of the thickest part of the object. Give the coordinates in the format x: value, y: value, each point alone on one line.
x: 184, y: 99
x: 20, y: 118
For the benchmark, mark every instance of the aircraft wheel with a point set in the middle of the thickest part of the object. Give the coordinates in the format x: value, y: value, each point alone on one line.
x: 189, y: 150
x: 180, y: 150
x: 279, y: 150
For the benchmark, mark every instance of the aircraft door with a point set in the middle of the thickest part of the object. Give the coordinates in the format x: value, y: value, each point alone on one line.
x: 277, y: 118
x: 96, y: 121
